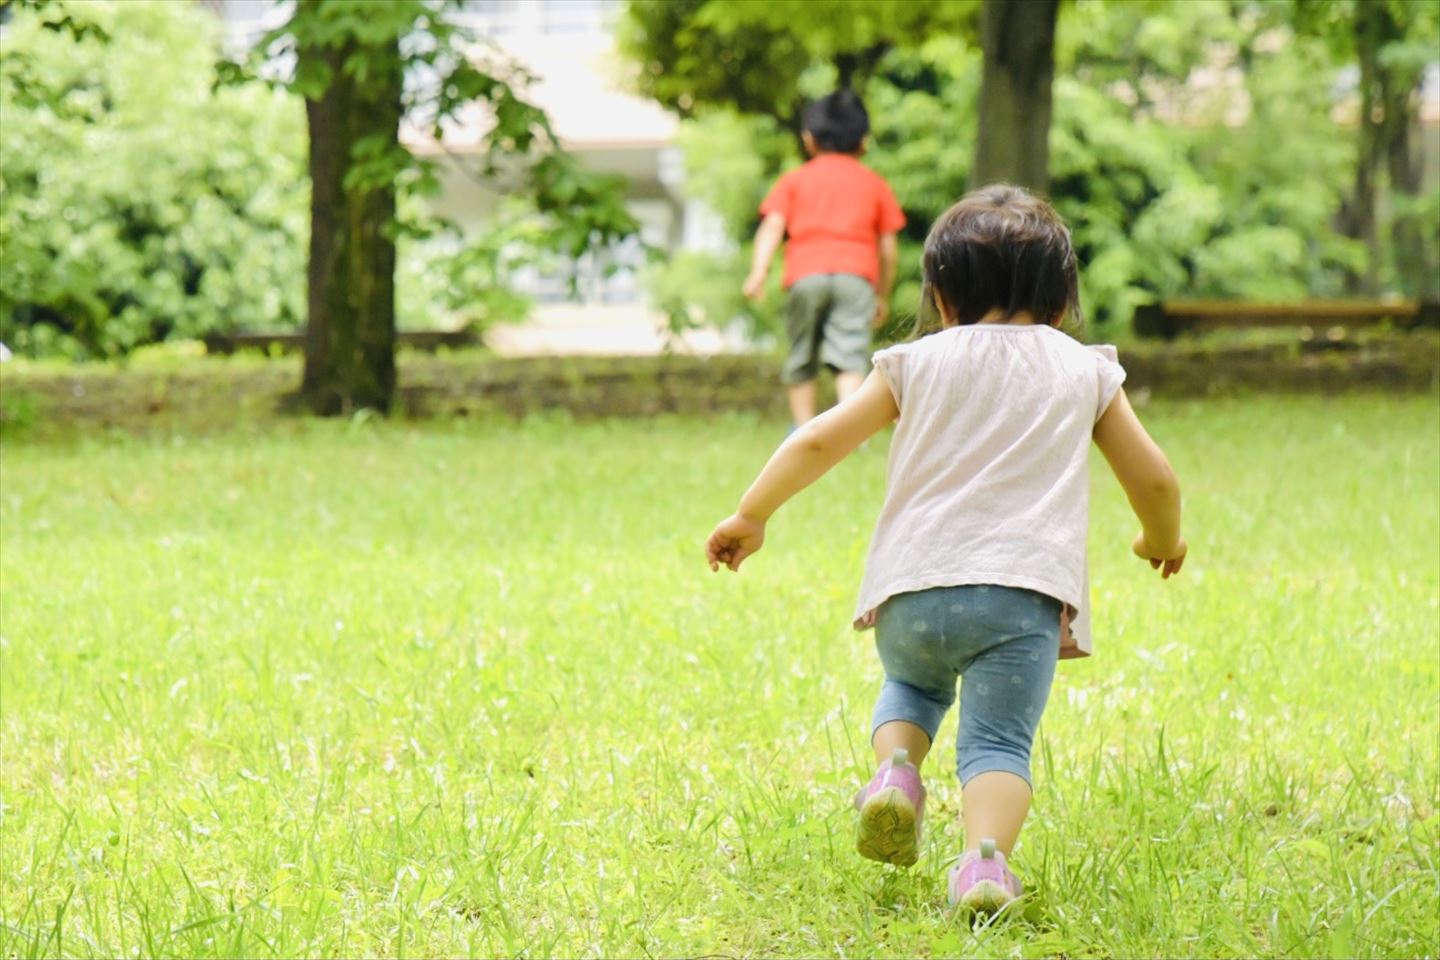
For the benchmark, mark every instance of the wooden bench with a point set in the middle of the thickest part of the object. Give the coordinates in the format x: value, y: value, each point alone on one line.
x: 1172, y: 318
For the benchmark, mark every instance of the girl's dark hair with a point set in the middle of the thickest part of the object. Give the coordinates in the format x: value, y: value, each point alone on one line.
x: 1001, y: 247
x: 838, y: 122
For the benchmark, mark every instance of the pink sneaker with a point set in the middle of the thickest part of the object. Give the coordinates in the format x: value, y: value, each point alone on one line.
x: 982, y: 882
x: 891, y: 807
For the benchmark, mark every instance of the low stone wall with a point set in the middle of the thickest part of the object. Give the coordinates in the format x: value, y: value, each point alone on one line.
x: 695, y: 385
x: 201, y: 394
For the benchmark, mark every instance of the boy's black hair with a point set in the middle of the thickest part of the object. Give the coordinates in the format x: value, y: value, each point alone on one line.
x: 838, y: 122
x: 1002, y: 248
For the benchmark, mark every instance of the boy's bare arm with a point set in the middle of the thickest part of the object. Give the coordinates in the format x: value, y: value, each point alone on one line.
x: 767, y: 241
x: 801, y: 460
x: 1149, y: 482
x: 889, y: 262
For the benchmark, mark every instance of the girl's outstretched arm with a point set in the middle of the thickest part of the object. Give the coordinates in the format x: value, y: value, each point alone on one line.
x: 803, y: 458
x: 1149, y: 482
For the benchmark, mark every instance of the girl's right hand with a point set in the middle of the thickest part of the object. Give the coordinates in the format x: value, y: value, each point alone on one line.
x: 1168, y: 562
x: 734, y: 539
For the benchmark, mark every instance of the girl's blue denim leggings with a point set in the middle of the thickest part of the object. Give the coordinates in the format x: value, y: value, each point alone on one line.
x: 1003, y: 642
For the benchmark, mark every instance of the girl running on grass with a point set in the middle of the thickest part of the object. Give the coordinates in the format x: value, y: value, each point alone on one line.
x: 977, y: 566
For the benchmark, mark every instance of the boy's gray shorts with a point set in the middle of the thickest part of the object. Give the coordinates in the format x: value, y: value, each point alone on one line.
x: 827, y: 320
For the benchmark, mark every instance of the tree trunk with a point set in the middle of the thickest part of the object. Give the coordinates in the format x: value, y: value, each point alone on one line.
x: 854, y: 68
x: 1399, y: 92
x: 1357, y: 216
x: 350, y: 334
x: 1388, y: 116
x: 1018, y: 37
x: 1414, y: 251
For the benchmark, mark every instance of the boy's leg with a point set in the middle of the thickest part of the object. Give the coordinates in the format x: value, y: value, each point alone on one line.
x: 802, y: 401
x: 846, y: 383
x: 1002, y: 696
x: 845, y: 341
x: 805, y: 305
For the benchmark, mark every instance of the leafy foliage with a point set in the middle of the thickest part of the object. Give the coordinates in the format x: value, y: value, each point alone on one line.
x: 1193, y: 147
x: 449, y: 73
x: 1207, y: 167
x: 137, y: 204
x: 445, y: 278
x: 696, y: 289
x: 757, y: 57
x: 148, y: 195
x: 728, y: 161
x: 366, y: 70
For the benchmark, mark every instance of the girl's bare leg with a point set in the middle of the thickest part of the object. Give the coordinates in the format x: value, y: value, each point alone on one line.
x: 995, y: 806
x: 900, y: 733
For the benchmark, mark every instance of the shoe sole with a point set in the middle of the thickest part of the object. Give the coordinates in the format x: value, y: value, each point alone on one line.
x: 985, y: 897
x: 887, y: 828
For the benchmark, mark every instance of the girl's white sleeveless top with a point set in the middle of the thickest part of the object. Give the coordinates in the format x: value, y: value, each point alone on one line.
x: 988, y: 481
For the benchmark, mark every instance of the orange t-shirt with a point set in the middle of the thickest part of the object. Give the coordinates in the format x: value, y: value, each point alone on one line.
x: 835, y: 211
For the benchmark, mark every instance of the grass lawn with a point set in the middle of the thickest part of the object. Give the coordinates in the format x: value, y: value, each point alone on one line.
x: 468, y: 688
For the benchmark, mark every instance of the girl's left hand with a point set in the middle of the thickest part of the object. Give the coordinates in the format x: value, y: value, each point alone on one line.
x: 734, y: 539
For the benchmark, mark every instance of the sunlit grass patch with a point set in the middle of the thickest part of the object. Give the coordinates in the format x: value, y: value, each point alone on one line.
x: 468, y: 689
